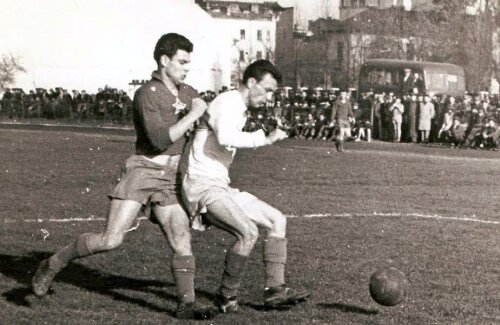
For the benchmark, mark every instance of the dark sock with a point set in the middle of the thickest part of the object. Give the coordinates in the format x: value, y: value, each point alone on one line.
x: 78, y: 248
x: 234, y: 268
x: 275, y: 260
x: 183, y: 269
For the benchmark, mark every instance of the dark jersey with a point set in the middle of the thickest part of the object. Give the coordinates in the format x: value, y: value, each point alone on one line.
x: 155, y: 110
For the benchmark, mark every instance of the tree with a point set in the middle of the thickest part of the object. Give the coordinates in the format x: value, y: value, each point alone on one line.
x: 439, y: 31
x: 465, y: 37
x: 10, y: 66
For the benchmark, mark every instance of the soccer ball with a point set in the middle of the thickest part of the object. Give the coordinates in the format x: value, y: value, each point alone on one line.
x: 388, y: 286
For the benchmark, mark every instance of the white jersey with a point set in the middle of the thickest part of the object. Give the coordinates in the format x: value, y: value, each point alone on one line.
x: 213, y: 147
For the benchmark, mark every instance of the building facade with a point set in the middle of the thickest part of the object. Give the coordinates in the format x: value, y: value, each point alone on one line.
x: 251, y: 26
x: 350, y: 8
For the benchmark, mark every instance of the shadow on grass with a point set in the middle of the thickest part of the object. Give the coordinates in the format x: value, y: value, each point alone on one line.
x: 349, y: 308
x: 22, y: 269
x: 262, y: 307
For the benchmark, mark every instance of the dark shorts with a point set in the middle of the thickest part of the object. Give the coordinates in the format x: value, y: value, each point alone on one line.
x: 148, y: 183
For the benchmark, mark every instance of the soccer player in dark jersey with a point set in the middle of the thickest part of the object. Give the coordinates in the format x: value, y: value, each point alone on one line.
x: 163, y: 111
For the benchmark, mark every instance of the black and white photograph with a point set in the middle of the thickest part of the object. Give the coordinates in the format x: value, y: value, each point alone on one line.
x: 250, y: 162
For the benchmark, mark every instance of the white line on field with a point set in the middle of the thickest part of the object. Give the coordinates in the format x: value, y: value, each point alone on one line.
x: 472, y: 218
x: 397, y: 214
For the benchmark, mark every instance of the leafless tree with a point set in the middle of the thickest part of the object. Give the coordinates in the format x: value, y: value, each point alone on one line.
x: 10, y: 66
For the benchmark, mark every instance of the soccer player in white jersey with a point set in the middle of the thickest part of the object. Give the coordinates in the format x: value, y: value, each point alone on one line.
x: 206, y: 188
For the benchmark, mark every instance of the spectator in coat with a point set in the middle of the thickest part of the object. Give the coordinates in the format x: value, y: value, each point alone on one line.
x: 418, y: 84
x: 426, y: 114
x: 408, y: 82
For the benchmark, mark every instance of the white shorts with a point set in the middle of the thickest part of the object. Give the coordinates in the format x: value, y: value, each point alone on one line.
x: 198, y: 192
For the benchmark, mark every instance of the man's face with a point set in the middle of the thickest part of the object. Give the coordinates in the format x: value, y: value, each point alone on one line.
x: 177, y: 68
x: 261, y: 91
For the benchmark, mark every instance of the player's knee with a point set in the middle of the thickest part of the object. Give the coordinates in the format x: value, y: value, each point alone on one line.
x: 280, y: 220
x: 277, y: 218
x: 249, y: 235
x: 112, y: 241
x: 181, y: 241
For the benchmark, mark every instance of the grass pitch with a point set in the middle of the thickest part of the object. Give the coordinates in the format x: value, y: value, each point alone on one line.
x: 432, y: 212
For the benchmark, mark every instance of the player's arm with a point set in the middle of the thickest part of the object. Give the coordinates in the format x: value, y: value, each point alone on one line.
x: 177, y: 131
x: 225, y: 125
x: 350, y: 113
x: 333, y: 115
x: 161, y: 134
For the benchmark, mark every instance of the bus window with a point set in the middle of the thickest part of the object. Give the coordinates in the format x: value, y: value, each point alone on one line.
x: 453, y: 82
x: 380, y: 77
x: 435, y: 80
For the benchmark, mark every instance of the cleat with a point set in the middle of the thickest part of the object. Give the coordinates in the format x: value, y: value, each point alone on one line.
x: 282, y: 295
x: 43, y: 278
x: 195, y: 310
x: 227, y: 305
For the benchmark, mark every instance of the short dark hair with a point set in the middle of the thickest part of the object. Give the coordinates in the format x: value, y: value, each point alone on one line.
x: 259, y: 69
x: 168, y: 45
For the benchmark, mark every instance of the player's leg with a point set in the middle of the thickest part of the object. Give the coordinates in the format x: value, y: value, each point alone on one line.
x: 121, y: 215
x: 339, y: 142
x: 225, y: 214
x: 361, y: 134
x: 275, y: 250
x: 174, y: 223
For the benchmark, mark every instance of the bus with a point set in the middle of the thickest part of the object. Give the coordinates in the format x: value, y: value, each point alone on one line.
x: 382, y: 75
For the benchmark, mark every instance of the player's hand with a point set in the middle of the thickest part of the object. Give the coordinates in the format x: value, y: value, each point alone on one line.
x: 198, y: 108
x: 277, y: 135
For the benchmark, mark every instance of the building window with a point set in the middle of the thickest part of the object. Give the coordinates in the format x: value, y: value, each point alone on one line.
x: 242, y: 34
x: 268, y: 55
x: 340, y: 53
x: 268, y: 36
x: 259, y: 55
x: 346, y: 3
x: 259, y: 35
x: 242, y: 55
x: 244, y: 8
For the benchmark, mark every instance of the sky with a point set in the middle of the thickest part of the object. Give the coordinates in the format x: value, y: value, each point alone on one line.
x: 55, y: 46
x: 312, y: 9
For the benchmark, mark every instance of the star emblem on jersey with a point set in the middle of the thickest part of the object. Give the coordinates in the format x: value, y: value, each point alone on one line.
x: 179, y: 106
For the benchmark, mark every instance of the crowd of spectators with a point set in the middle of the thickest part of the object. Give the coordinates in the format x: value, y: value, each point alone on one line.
x: 107, y: 105
x: 471, y: 121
